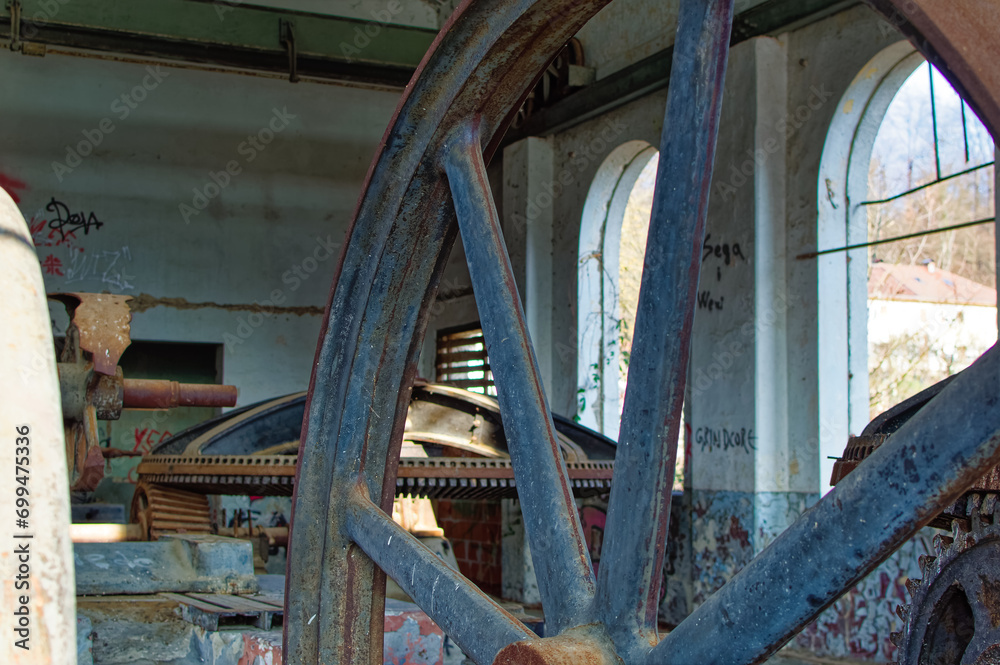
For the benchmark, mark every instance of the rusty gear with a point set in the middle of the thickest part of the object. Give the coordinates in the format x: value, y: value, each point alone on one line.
x: 954, y: 613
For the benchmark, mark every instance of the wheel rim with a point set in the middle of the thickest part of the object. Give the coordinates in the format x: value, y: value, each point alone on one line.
x: 404, y: 212
x: 431, y: 166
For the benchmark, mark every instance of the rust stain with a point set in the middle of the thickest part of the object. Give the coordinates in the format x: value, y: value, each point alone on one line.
x: 144, y: 302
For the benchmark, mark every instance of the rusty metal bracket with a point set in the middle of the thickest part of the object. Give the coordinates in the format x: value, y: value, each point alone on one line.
x: 287, y: 37
x: 15, y: 25
x: 101, y: 323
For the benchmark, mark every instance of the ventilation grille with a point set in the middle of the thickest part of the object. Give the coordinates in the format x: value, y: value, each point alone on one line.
x: 462, y: 360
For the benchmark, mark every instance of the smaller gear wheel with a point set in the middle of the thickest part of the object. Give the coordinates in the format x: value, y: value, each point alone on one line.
x: 954, y: 614
x: 162, y: 510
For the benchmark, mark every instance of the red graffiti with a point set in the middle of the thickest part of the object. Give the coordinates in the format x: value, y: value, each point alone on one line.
x: 254, y: 648
x: 12, y: 185
x: 145, y: 438
x: 52, y: 266
x: 36, y: 226
x: 593, y: 520
x: 51, y: 239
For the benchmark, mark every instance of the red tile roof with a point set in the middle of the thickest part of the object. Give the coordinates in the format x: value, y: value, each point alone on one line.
x: 889, y: 281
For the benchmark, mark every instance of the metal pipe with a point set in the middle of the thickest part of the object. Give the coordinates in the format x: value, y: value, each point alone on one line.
x: 908, y: 236
x: 157, y: 394
x: 927, y: 184
x: 36, y: 565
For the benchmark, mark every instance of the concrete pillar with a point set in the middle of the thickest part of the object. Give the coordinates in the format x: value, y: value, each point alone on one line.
x: 519, y: 581
x: 528, y: 194
x: 748, y: 478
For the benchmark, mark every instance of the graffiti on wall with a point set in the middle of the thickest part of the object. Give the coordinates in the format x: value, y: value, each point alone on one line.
x: 720, y: 255
x: 57, y: 231
x: 12, y: 186
x: 721, y: 438
x: 858, y: 625
x: 673, y: 588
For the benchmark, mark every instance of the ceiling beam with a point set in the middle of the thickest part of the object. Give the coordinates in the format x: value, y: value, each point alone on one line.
x: 653, y: 73
x: 224, y: 33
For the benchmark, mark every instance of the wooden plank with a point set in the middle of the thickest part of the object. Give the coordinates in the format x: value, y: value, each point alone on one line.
x: 275, y: 600
x: 194, y: 602
x: 209, y: 610
x: 239, y: 603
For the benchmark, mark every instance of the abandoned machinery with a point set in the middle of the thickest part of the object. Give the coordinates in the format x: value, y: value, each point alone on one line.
x: 428, y: 187
x: 453, y: 448
x: 93, y: 387
x: 954, y: 610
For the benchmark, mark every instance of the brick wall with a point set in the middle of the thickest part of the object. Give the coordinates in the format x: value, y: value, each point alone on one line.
x: 473, y: 527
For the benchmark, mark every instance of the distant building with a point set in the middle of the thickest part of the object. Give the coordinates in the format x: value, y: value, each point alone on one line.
x: 924, y: 324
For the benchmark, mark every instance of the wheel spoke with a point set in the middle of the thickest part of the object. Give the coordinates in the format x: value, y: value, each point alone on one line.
x: 921, y: 469
x: 562, y: 561
x: 479, y: 626
x: 632, y: 558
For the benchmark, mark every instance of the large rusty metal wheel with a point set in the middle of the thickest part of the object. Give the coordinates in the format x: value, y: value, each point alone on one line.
x: 426, y: 185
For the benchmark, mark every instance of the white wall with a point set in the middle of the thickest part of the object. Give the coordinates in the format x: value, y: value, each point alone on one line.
x: 269, y: 233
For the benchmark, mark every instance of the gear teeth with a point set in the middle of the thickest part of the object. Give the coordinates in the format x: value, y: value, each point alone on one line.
x: 959, y: 529
x: 940, y: 542
x: 977, y: 521
x: 972, y: 504
x: 987, y: 510
x: 974, y: 520
x: 962, y: 533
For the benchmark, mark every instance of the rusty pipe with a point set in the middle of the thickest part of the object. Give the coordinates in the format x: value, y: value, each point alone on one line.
x: 158, y: 394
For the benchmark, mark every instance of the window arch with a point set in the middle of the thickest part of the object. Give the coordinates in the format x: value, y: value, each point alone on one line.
x: 848, y: 201
x: 602, y: 324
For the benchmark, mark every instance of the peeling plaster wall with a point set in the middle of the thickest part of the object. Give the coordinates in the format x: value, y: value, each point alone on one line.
x: 219, y: 200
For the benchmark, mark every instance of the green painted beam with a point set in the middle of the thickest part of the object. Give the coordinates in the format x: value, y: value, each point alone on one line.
x: 228, y: 33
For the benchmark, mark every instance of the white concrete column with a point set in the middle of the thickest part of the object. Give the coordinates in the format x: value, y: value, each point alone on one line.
x: 528, y: 194
x: 518, y: 582
x: 749, y: 479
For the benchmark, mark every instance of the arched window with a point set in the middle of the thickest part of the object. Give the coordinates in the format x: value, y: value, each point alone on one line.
x: 904, y: 157
x: 612, y: 246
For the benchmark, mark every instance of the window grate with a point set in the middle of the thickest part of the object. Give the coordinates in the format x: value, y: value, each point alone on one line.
x: 462, y: 360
